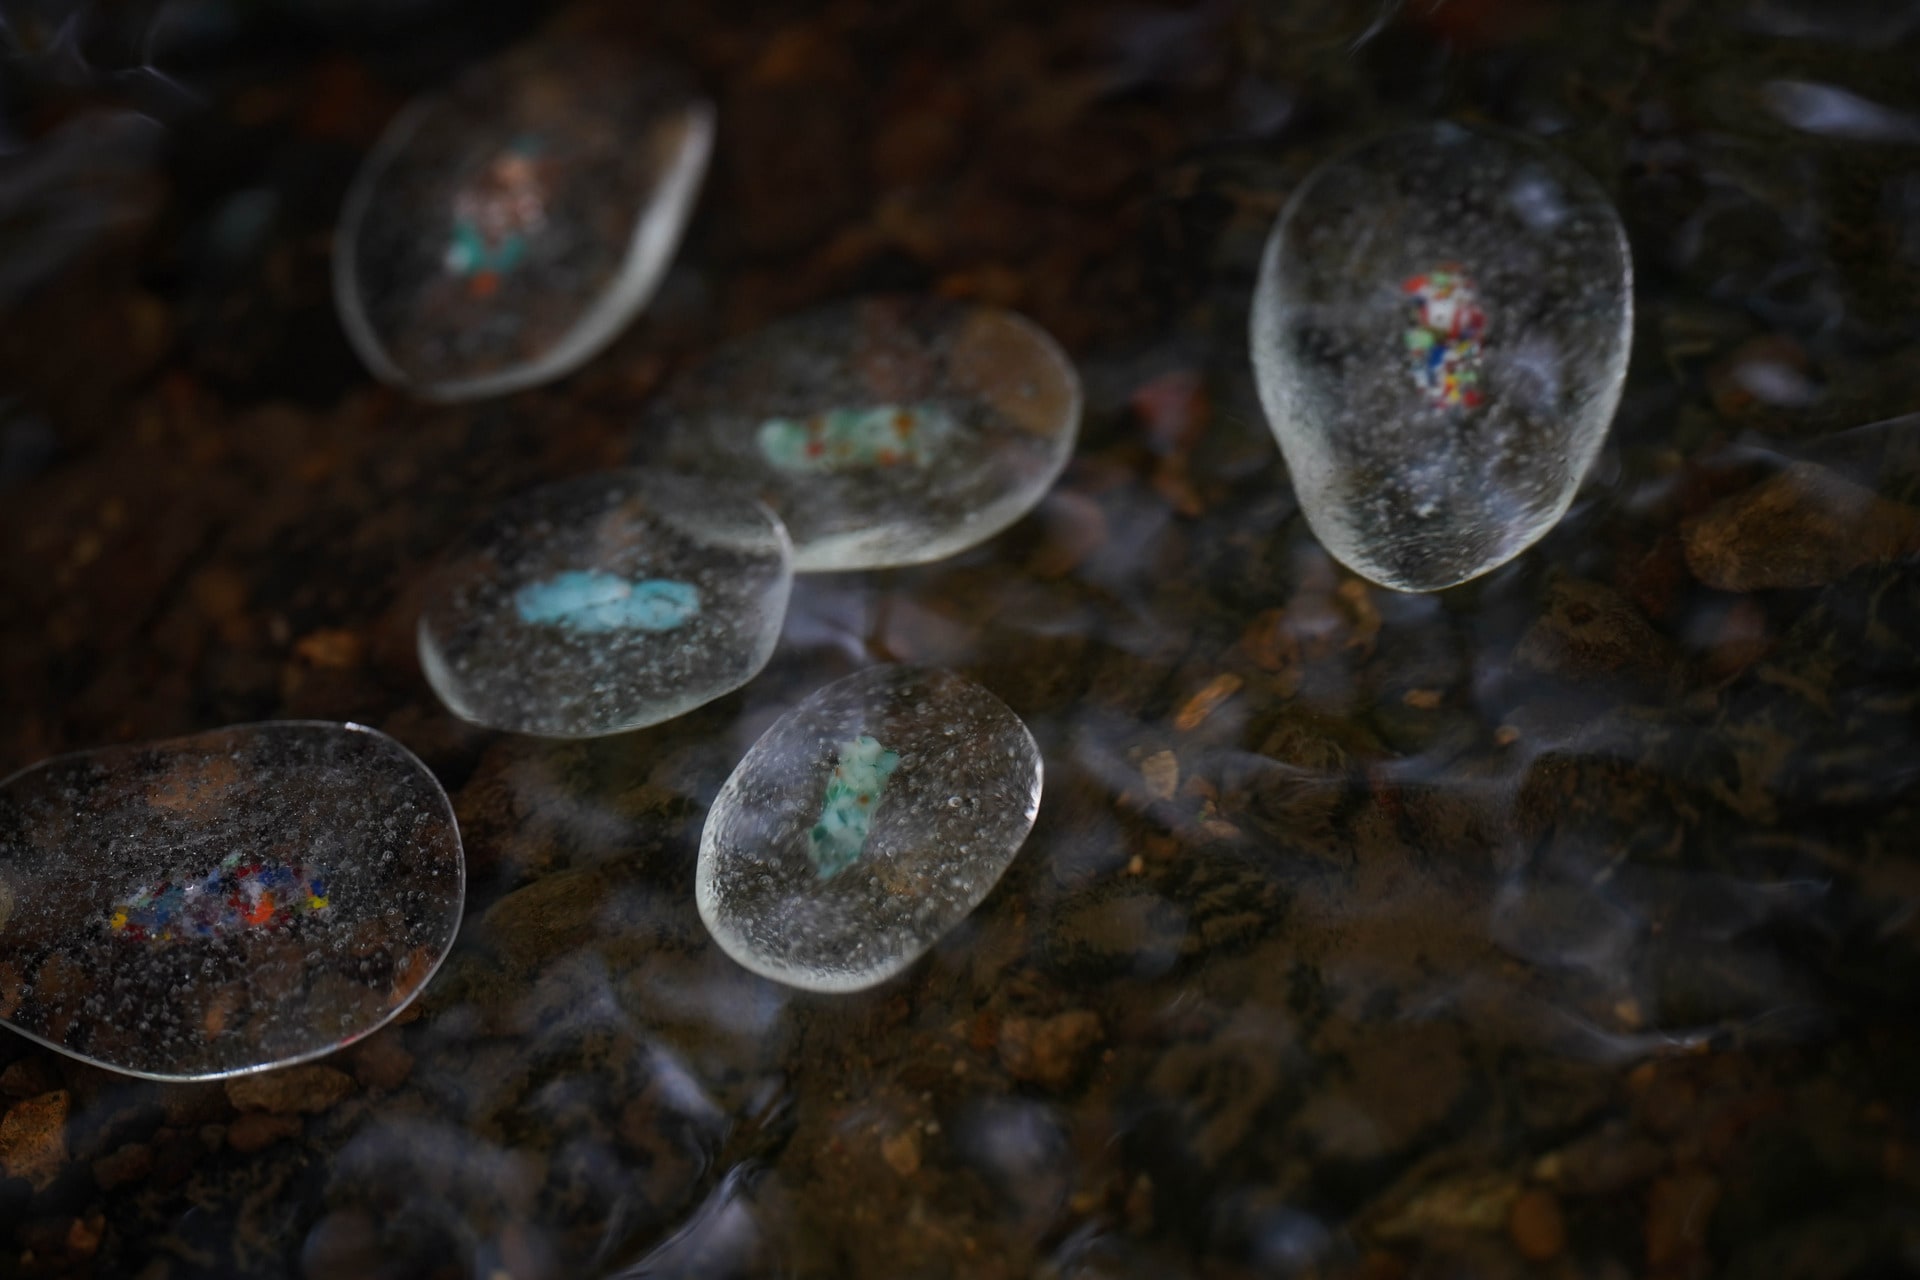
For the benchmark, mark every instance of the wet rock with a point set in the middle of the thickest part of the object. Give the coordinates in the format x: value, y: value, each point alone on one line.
x: 344, y: 1243
x: 1480, y: 1200
x: 257, y: 1130
x: 1563, y: 926
x: 63, y: 1245
x: 1397, y: 1087
x: 548, y: 917
x: 305, y: 1090
x: 33, y: 1138
x: 1211, y: 1098
x: 1691, y: 981
x: 382, y: 1063
x: 29, y: 1077
x: 1805, y: 527
x: 186, y: 1105
x: 901, y: 1151
x: 1021, y: 1149
x: 1602, y: 1163
x: 1679, y: 1216
x: 1591, y: 632
x: 1536, y: 1226
x: 1133, y: 932
x: 1048, y: 1052
x: 129, y: 1164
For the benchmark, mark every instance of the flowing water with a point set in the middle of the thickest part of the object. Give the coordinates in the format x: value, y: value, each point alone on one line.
x: 1561, y: 923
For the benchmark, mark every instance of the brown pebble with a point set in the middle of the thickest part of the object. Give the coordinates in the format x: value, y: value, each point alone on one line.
x: 258, y: 1130
x: 331, y: 650
x: 33, y: 1138
x: 188, y: 1105
x: 1587, y: 630
x: 382, y: 1063
x: 1604, y: 1163
x: 1270, y: 643
x: 219, y: 592
x: 29, y: 1077
x: 1048, y: 1052
x: 1196, y: 710
x: 1667, y: 1105
x: 309, y: 1089
x: 1679, y: 1211
x: 345, y: 1243
x: 901, y: 1151
x: 83, y: 1237
x: 175, y: 1155
x: 1161, y: 771
x: 1073, y: 528
x: 59, y: 1245
x: 129, y: 1164
x: 1805, y: 527
x: 1538, y: 1228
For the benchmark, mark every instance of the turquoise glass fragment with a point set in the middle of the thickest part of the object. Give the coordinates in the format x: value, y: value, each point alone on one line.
x: 853, y: 793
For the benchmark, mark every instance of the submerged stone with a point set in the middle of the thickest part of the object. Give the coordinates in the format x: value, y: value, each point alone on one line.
x: 224, y: 903
x: 1440, y: 335
x: 503, y: 232
x: 884, y: 431
x: 865, y: 824
x: 606, y: 603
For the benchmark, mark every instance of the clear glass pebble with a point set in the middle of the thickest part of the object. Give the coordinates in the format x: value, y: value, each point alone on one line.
x: 885, y: 431
x: 237, y: 900
x: 865, y: 824
x: 1440, y: 334
x: 606, y: 603
x: 502, y: 232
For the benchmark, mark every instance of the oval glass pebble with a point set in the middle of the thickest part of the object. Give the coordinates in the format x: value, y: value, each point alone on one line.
x: 502, y: 232
x: 1440, y: 334
x: 865, y: 824
x: 885, y: 431
x: 224, y: 903
x: 606, y: 603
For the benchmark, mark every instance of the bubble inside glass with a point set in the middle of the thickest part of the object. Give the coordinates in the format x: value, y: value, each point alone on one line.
x: 606, y: 603
x: 865, y: 824
x: 223, y: 903
x: 502, y: 233
x: 885, y: 431
x: 1440, y: 334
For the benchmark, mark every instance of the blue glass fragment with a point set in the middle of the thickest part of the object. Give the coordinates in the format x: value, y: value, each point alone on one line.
x: 591, y: 601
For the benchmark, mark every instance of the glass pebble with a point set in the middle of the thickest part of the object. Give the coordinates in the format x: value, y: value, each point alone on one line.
x: 606, y: 603
x: 885, y: 431
x: 1440, y: 334
x: 224, y: 903
x: 503, y: 232
x: 865, y: 824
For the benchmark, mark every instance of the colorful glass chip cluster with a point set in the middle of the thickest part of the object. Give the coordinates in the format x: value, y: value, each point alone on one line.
x: 1440, y: 334
x: 237, y: 895
x: 1448, y: 327
x: 844, y: 439
x: 495, y: 214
